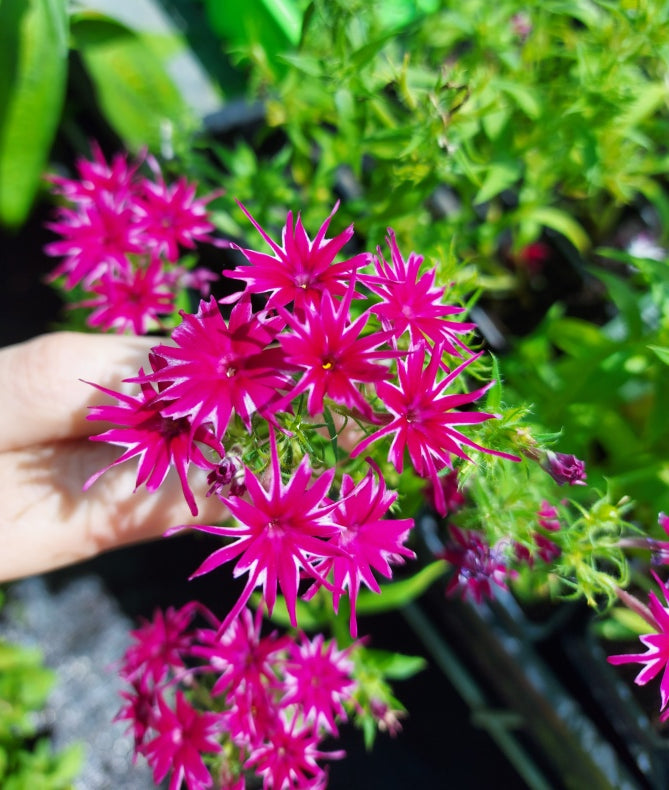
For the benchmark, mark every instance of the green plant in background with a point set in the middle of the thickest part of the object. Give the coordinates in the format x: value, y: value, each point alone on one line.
x: 27, y: 761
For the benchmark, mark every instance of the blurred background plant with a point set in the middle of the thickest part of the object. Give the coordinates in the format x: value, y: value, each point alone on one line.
x: 520, y: 147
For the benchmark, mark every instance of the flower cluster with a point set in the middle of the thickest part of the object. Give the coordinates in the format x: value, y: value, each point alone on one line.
x: 122, y: 235
x: 377, y: 348
x: 211, y: 705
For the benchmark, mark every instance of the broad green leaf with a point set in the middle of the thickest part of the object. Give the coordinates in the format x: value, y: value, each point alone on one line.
x: 33, y: 75
x: 135, y: 93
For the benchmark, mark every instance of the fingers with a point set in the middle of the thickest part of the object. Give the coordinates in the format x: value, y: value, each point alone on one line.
x: 42, y: 395
x: 47, y: 521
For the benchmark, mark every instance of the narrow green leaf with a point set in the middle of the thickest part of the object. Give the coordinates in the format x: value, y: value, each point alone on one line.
x: 499, y: 176
x: 33, y: 75
x: 558, y: 220
x: 395, y: 666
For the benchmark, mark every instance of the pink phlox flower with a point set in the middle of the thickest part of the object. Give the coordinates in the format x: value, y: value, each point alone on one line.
x: 280, y: 532
x: 217, y: 368
x: 565, y: 468
x: 96, y: 237
x: 301, y: 269
x: 549, y: 517
x: 243, y: 659
x: 318, y: 680
x: 422, y: 418
x: 183, y: 736
x: 370, y: 541
x: 139, y: 710
x: 476, y: 565
x: 228, y: 473
x: 170, y: 216
x: 656, y: 657
x: 251, y: 717
x: 130, y: 300
x: 328, y: 347
x: 412, y: 303
x: 98, y: 177
x: 159, y: 442
x: 289, y: 760
x: 159, y: 645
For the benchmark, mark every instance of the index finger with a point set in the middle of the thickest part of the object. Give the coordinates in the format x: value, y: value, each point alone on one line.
x: 43, y: 397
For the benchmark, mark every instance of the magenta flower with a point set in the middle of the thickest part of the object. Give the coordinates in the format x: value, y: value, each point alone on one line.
x: 244, y: 660
x: 327, y: 346
x: 302, y: 269
x: 317, y: 680
x: 130, y: 300
x: 96, y: 237
x: 656, y: 657
x: 218, y: 368
x: 476, y: 565
x: 410, y: 302
x: 369, y: 541
x: 160, y: 645
x: 183, y: 735
x: 565, y: 468
x: 280, y: 533
x: 158, y: 442
x: 422, y: 419
x: 96, y: 178
x: 171, y: 216
x: 288, y: 760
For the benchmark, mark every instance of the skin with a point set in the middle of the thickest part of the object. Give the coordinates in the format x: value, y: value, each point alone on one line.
x: 46, y: 520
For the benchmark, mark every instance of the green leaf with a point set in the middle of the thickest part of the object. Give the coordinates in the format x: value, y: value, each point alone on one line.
x: 662, y: 352
x: 395, y: 666
x: 557, y: 220
x: 400, y: 593
x: 136, y: 95
x: 499, y: 176
x: 33, y: 76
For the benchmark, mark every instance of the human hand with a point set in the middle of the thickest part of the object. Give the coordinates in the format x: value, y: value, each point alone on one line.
x: 46, y: 519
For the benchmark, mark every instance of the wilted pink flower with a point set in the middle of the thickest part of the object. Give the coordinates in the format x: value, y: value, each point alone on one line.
x: 564, y: 468
x: 476, y: 565
x: 412, y: 302
x: 327, y: 346
x: 300, y: 270
x: 183, y: 735
x: 453, y: 496
x: 318, y: 679
x: 157, y: 441
x: 387, y: 719
x: 139, y: 710
x: 422, y: 418
x: 280, y: 532
x: 656, y: 657
x: 131, y: 299
x: 546, y: 548
x: 218, y: 368
x: 159, y: 644
x: 288, y: 760
x: 96, y: 237
x: 369, y: 541
x: 170, y: 216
